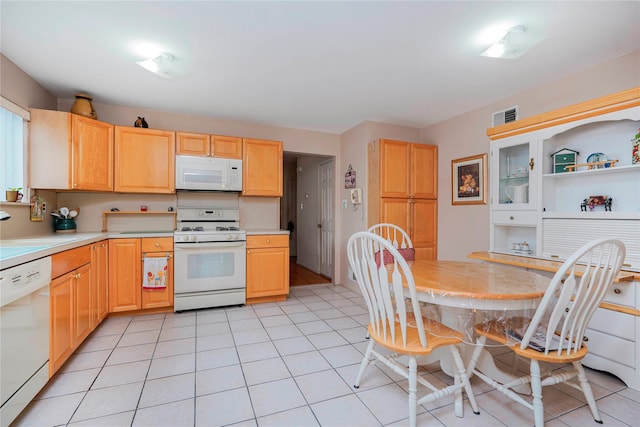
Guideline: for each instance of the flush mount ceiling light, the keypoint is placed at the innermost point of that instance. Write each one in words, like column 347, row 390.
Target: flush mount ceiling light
column 158, row 64
column 513, row 44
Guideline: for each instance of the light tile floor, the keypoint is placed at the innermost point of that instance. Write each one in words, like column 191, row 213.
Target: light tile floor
column 281, row 364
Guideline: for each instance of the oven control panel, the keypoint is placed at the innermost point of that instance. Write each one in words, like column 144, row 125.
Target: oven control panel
column 209, row 237
column 213, row 213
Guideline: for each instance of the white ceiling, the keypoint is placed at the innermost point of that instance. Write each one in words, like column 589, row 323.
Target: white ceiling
column 310, row 65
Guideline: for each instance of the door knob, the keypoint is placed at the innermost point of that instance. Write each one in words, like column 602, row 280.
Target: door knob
column 319, row 225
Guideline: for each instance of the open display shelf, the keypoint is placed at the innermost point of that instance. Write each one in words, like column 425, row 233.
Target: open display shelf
column 106, row 214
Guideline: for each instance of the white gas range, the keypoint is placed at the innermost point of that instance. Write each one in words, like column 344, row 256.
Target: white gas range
column 210, row 258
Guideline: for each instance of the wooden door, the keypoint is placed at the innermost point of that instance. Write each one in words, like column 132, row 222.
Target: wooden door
column 226, row 146
column 124, row 275
column 424, row 171
column 262, row 168
column 396, row 211
column 193, row 144
column 91, row 154
column 424, row 228
column 267, row 272
column 144, row 160
column 394, row 168
column 61, row 318
column 82, row 304
column 153, row 298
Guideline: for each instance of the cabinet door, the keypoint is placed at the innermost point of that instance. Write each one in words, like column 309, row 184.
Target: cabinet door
column 262, row 168
column 99, row 282
column 60, row 328
column 515, row 168
column 193, row 144
column 396, row 211
column 267, row 272
column 49, row 141
column 395, row 168
column 145, row 160
column 124, row 275
column 424, row 171
column 226, row 146
column 153, row 298
column 91, row 154
column 424, row 228
column 82, row 304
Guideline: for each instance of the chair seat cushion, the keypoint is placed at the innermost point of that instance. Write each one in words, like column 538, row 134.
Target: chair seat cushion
column 409, row 254
column 437, row 334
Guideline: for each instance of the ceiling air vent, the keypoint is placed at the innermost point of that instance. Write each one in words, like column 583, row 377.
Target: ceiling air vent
column 504, row 116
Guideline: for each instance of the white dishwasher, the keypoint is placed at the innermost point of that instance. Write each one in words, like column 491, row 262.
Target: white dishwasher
column 24, row 335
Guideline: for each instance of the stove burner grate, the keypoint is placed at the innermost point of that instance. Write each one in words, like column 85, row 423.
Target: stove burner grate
column 192, row 229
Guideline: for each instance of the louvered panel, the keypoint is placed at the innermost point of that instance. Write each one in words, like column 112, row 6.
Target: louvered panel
column 562, row 236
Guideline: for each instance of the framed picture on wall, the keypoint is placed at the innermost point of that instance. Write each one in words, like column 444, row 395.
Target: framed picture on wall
column 469, row 180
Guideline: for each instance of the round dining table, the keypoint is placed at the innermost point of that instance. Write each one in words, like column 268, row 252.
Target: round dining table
column 463, row 291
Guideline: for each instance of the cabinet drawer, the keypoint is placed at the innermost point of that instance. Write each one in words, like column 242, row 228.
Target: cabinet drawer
column 64, row 262
column 155, row 244
column 612, row 348
column 515, row 217
column 614, row 323
column 268, row 241
column 623, row 293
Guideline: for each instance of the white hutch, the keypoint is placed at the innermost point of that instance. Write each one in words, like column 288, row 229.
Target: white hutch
column 542, row 211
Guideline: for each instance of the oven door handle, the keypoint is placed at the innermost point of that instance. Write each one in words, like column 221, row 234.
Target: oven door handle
column 207, row 246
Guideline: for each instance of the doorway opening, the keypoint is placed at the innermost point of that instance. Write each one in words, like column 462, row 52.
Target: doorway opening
column 307, row 211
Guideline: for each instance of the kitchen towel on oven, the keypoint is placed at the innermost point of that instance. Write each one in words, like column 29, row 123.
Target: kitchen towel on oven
column 154, row 273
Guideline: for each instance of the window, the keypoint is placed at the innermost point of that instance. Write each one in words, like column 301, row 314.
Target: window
column 13, row 145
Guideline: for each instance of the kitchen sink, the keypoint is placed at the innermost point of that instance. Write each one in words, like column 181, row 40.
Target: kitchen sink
column 11, row 251
column 39, row 241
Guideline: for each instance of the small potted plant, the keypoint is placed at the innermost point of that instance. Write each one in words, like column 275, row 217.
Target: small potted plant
column 13, row 194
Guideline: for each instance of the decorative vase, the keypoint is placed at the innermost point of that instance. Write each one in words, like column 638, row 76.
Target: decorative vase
column 83, row 106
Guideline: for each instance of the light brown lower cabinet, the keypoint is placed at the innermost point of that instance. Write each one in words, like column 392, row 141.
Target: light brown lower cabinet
column 99, row 282
column 70, row 304
column 267, row 268
column 125, row 274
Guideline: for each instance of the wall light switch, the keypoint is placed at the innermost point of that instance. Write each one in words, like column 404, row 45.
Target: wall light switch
column 301, row 206
column 344, row 203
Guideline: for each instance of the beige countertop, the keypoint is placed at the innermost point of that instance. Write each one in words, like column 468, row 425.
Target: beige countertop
column 25, row 249
column 261, row 231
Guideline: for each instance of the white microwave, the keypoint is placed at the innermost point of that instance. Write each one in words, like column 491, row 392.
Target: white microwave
column 208, row 173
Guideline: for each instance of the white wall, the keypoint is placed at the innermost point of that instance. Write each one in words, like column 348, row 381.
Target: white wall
column 464, row 229
column 354, row 146
column 19, row 88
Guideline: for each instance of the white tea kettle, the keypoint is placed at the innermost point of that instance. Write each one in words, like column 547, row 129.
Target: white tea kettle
column 517, row 193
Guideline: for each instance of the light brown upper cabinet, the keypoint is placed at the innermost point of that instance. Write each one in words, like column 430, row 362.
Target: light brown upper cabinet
column 408, row 169
column 145, row 160
column 199, row 144
column 70, row 152
column 262, row 168
column 402, row 190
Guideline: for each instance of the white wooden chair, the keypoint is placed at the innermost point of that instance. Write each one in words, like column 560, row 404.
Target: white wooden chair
column 396, row 324
column 392, row 233
column 555, row 333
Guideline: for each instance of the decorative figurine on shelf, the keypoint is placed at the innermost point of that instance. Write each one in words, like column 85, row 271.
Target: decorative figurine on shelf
column 635, row 151
column 141, row 123
column 593, row 201
column 563, row 158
